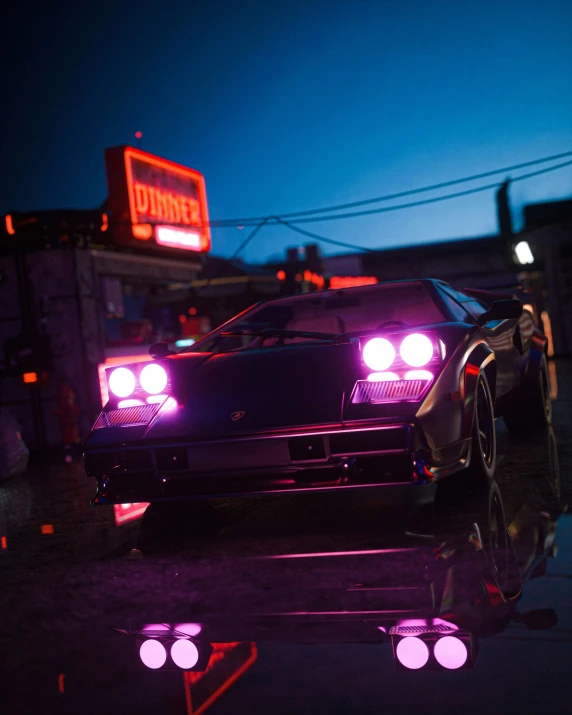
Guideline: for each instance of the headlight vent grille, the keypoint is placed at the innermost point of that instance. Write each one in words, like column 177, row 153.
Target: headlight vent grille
column 127, row 416
column 388, row 391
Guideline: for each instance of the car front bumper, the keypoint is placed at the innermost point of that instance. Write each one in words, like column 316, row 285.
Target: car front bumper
column 306, row 459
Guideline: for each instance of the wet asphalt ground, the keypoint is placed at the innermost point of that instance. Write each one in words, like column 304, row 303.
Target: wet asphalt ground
column 69, row 576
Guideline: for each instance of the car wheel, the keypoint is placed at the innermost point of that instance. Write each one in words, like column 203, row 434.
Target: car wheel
column 482, row 463
column 532, row 412
column 168, row 526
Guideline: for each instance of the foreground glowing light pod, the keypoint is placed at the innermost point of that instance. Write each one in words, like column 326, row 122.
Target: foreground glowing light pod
column 450, row 652
column 412, row 653
column 184, row 654
column 153, row 654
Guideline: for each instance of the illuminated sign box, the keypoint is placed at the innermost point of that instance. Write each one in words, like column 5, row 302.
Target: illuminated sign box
column 155, row 202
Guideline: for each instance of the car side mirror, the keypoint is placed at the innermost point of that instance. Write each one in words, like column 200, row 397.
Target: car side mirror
column 160, row 350
column 502, row 310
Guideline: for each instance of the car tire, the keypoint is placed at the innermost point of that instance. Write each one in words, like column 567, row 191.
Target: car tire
column 481, row 468
column 170, row 526
column 532, row 411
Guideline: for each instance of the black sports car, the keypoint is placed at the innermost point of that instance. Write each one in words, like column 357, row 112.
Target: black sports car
column 397, row 383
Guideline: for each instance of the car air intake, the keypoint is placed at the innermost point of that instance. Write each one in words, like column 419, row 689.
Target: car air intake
column 388, row 391
column 127, row 416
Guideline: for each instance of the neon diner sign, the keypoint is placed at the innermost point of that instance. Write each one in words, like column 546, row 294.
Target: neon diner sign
column 154, row 200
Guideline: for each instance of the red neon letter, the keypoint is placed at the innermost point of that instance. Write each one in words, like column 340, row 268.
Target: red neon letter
column 141, row 198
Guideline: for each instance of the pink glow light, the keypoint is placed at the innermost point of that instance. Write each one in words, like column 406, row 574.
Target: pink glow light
column 122, row 382
column 153, row 378
column 189, row 629
column 450, row 652
column 416, row 350
column 378, row 354
column 153, row 654
column 128, row 403
column 412, row 652
column 184, row 653
column 418, row 375
column 155, row 399
column 382, row 377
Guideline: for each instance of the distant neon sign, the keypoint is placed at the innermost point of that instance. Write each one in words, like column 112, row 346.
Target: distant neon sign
column 147, row 192
column 337, row 282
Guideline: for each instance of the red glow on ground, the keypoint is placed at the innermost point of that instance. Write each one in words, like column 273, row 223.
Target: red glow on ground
column 47, row 528
column 221, row 651
column 128, row 512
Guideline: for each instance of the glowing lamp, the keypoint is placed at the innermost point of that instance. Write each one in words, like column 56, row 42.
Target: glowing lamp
column 416, row 350
column 122, row 382
column 523, row 253
column 450, row 652
column 378, row 354
column 153, row 654
column 153, row 378
column 412, row 652
column 184, row 653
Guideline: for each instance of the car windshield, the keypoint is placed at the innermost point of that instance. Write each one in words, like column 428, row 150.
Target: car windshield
column 324, row 315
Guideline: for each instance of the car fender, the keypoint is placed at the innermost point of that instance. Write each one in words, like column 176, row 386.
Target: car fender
column 480, row 359
column 538, row 347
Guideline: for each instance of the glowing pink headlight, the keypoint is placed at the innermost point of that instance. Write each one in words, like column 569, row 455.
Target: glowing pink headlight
column 153, row 378
column 184, row 654
column 450, row 652
column 412, row 652
column 416, row 350
column 122, row 382
column 378, row 354
column 153, row 654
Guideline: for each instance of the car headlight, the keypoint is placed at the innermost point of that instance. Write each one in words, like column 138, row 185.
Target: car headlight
column 378, row 354
column 416, row 350
column 153, row 378
column 122, row 382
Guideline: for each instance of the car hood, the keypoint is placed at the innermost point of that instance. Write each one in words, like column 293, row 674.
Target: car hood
column 252, row 390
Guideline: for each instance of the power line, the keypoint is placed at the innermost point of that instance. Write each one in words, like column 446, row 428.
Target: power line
column 424, row 202
column 401, row 194
column 317, row 237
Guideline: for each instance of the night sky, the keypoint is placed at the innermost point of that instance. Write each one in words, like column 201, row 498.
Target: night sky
column 287, row 105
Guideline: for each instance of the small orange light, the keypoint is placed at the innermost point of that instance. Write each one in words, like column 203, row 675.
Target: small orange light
column 142, row 231
column 182, row 318
column 9, row 225
column 4, row 542
column 104, row 222
column 192, row 311
column 281, row 275
column 47, row 528
column 30, row 377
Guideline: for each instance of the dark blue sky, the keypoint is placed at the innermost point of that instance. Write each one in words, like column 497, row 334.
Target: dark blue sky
column 292, row 105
